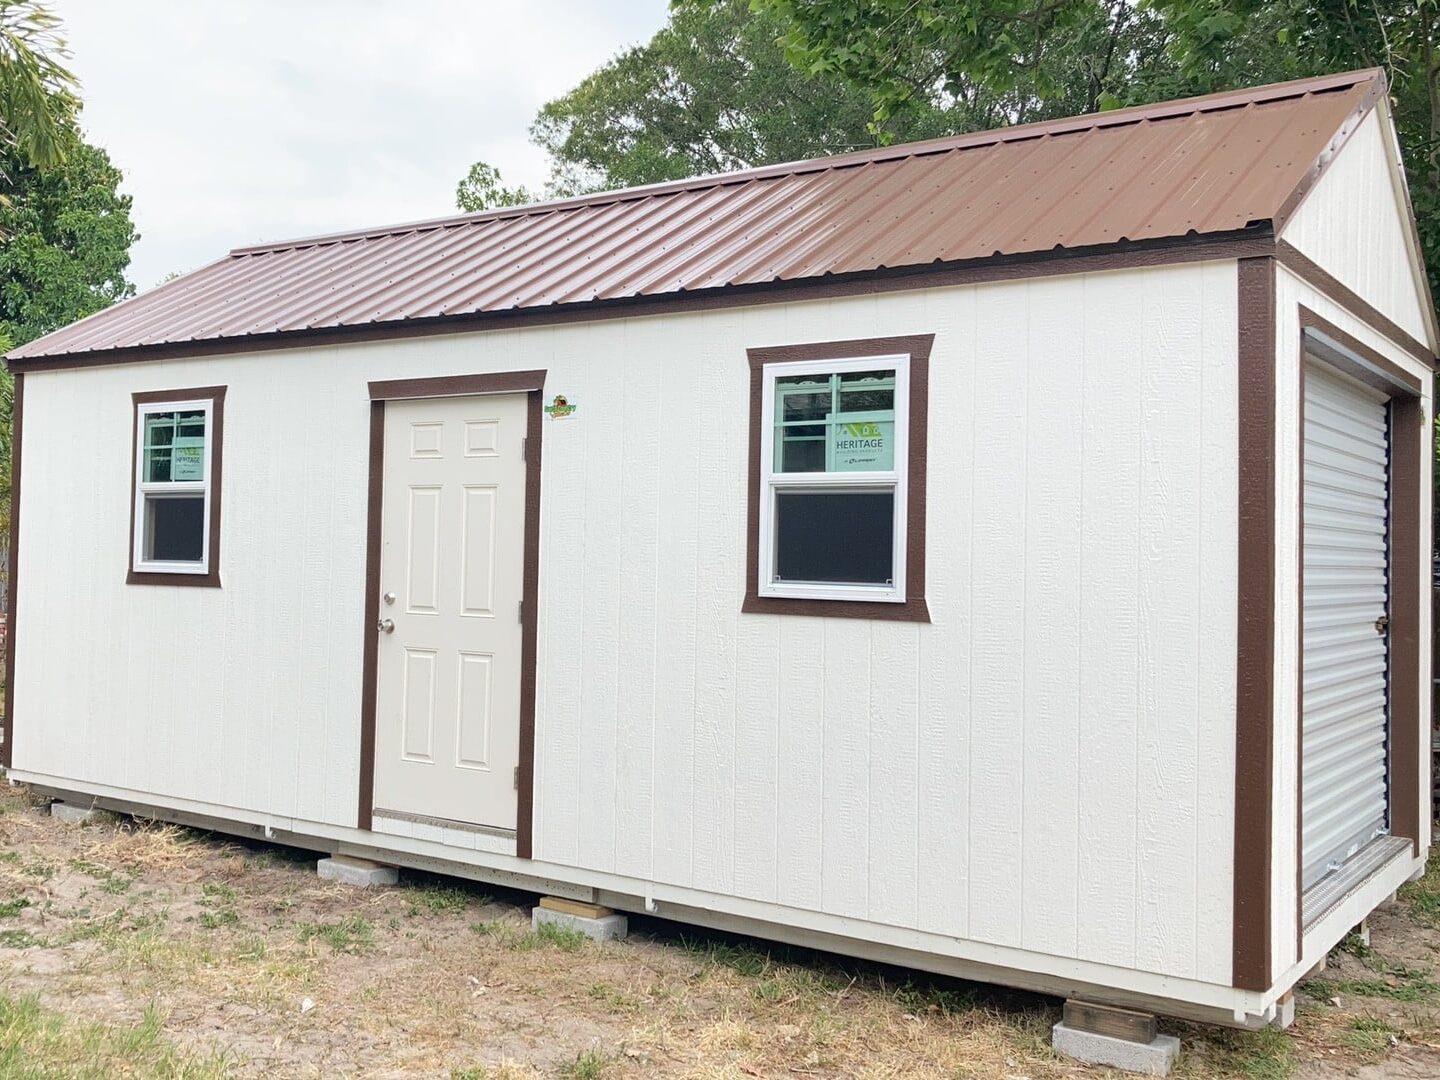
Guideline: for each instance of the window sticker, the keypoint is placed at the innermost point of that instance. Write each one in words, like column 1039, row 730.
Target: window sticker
column 187, row 463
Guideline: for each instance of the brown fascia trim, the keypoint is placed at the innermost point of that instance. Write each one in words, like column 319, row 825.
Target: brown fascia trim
column 216, row 394
column 532, row 384
column 17, row 428
column 1313, row 274
column 1256, row 240
column 1255, row 636
column 914, row 608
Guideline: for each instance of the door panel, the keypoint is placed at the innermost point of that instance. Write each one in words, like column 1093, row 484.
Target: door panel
column 1345, row 683
column 447, row 716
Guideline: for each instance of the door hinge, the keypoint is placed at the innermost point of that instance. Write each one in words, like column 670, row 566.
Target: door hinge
column 524, row 449
column 520, row 610
column 517, row 777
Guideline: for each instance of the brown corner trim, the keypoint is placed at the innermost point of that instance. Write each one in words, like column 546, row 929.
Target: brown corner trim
column 500, row 382
column 531, row 383
column 216, row 394
column 1257, row 240
column 1313, row 274
column 1255, row 638
column 17, row 427
column 1382, row 374
column 914, row 609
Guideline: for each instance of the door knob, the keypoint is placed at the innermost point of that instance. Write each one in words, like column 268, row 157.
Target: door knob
column 386, row 626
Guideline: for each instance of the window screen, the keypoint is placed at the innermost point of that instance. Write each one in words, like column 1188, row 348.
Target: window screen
column 841, row 536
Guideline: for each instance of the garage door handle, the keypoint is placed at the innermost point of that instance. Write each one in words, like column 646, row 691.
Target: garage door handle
column 1382, row 624
column 386, row 626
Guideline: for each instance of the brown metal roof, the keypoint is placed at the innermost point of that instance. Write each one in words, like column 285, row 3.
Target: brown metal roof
column 1205, row 165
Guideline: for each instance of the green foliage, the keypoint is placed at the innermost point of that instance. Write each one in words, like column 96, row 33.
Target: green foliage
column 37, row 92
column 482, row 189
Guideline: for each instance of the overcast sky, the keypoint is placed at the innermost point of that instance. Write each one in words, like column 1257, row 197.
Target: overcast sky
column 236, row 123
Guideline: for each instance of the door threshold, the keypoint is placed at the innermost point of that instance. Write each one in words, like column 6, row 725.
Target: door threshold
column 444, row 823
column 1330, row 891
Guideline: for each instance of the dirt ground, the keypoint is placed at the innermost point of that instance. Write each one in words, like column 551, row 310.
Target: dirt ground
column 134, row 949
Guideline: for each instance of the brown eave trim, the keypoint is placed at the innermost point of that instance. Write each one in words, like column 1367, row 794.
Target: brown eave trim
column 532, row 384
column 500, row 382
column 1255, row 636
column 216, row 395
column 914, row 609
column 1255, row 241
column 17, row 429
column 1383, row 373
column 1313, row 274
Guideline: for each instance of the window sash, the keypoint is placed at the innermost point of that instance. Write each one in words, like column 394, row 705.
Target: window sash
column 894, row 480
column 145, row 487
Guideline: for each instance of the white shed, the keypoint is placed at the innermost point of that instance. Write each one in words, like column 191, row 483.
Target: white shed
column 1004, row 555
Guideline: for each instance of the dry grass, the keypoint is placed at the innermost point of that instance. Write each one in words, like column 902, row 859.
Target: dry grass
column 166, row 951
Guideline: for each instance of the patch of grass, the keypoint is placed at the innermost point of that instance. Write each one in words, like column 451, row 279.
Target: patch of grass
column 438, row 900
column 562, row 937
column 39, row 869
column 918, row 999
column 12, row 907
column 1266, row 1054
column 587, row 1066
column 36, row 1042
column 612, row 999
column 1370, row 1037
column 353, row 934
column 17, row 939
column 219, row 902
column 741, row 959
column 1423, row 896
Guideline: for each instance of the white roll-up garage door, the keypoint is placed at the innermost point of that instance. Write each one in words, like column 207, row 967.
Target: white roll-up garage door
column 1346, row 602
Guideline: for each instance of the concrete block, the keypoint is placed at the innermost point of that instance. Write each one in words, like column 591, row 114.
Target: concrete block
column 610, row 927
column 1363, row 932
column 1152, row 1059
column 349, row 870
column 72, row 814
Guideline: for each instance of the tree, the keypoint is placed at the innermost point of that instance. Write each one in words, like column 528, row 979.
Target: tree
column 67, row 242
column 711, row 91
column 38, row 98
column 482, row 190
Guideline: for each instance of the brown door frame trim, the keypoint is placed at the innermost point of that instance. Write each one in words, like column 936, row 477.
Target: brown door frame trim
column 530, row 383
column 1324, row 341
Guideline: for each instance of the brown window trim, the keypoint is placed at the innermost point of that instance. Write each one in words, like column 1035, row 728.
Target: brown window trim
column 216, row 394
column 914, row 609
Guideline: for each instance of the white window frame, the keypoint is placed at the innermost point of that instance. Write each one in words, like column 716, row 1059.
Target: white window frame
column 896, row 479
column 140, row 564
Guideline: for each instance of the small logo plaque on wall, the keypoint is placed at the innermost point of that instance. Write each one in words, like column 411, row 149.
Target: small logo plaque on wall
column 559, row 408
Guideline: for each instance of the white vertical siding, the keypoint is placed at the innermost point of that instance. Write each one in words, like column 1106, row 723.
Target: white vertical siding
column 1046, row 765
column 1352, row 223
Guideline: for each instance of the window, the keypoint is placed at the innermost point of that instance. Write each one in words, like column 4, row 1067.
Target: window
column 837, row 515
column 175, row 528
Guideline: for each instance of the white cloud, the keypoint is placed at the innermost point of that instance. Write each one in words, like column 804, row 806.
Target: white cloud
column 241, row 123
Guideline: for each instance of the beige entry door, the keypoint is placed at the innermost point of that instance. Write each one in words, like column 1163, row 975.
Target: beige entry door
column 447, row 708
